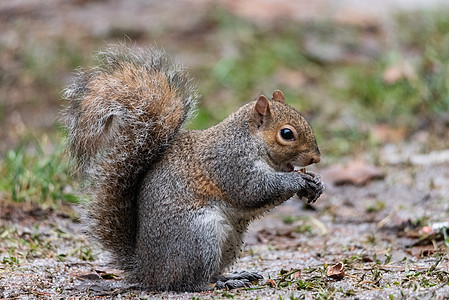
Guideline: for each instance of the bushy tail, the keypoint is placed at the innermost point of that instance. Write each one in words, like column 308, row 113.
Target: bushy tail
column 120, row 116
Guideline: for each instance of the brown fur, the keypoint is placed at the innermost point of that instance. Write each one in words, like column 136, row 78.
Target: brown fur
column 170, row 205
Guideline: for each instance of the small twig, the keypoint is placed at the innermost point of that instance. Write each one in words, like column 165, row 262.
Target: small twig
column 400, row 268
column 366, row 281
column 291, row 273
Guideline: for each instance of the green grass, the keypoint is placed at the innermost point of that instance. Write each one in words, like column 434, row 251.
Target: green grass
column 27, row 173
column 360, row 276
column 45, row 62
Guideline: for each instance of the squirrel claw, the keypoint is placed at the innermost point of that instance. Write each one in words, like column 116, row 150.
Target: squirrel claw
column 237, row 280
column 232, row 284
column 313, row 190
column 251, row 276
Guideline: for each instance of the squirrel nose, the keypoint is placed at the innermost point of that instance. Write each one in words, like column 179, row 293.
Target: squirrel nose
column 315, row 160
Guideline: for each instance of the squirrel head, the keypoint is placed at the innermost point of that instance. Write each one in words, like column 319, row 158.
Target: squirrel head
column 289, row 140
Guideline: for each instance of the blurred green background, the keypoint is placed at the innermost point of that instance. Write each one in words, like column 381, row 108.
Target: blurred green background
column 364, row 79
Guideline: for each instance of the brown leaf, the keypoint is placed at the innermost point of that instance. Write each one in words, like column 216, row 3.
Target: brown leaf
column 336, row 271
column 271, row 282
column 355, row 172
column 398, row 72
column 385, row 133
column 297, row 274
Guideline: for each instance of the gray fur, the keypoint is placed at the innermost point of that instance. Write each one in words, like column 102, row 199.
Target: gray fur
column 172, row 206
column 194, row 244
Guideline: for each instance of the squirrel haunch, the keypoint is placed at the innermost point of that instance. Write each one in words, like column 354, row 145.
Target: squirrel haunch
column 172, row 205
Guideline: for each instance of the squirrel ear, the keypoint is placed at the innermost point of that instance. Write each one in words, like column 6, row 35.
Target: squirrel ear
column 261, row 109
column 278, row 96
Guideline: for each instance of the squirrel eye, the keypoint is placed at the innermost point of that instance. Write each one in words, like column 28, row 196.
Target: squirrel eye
column 287, row 134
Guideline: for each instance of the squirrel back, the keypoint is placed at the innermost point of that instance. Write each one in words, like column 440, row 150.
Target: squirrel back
column 121, row 116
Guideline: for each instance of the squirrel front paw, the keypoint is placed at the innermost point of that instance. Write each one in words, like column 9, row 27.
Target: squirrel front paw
column 313, row 187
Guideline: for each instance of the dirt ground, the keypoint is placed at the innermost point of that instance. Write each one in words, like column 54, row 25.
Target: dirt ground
column 374, row 229
column 388, row 224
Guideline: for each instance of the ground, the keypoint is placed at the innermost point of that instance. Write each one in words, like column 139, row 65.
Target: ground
column 375, row 230
column 372, row 82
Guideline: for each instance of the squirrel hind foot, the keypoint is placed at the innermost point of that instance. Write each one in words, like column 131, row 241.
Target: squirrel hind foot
column 232, row 284
column 237, row 280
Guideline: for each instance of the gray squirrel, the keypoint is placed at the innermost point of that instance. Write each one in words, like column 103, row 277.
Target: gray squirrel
column 172, row 205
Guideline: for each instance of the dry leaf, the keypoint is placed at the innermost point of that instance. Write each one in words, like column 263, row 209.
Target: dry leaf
column 355, row 172
column 336, row 271
column 398, row 72
column 297, row 274
column 271, row 282
column 385, row 133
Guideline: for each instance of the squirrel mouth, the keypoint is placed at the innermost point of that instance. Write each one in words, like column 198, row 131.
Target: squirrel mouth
column 288, row 167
